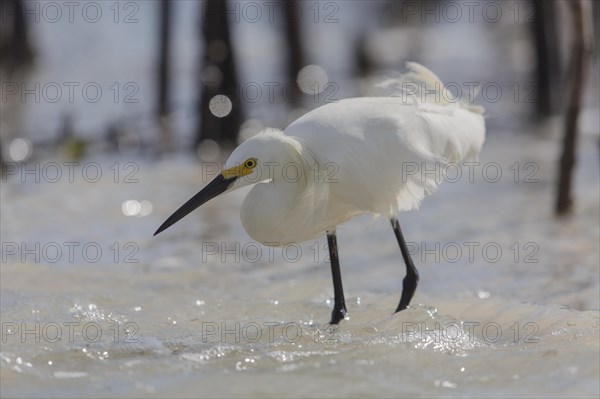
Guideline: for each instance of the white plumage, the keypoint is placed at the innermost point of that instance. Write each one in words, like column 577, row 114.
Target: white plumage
column 355, row 156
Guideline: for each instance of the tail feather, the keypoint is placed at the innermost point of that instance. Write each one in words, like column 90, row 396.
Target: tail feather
column 422, row 86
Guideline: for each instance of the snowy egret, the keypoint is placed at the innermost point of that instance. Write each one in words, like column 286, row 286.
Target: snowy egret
column 349, row 158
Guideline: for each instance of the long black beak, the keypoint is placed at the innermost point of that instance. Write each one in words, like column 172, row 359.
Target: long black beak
column 218, row 186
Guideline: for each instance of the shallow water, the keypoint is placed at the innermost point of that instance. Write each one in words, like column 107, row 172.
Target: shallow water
column 203, row 311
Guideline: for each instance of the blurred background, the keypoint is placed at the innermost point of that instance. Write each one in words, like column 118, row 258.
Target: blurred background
column 113, row 113
column 140, row 76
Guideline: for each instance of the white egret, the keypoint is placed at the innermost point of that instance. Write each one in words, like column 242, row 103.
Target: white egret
column 349, row 158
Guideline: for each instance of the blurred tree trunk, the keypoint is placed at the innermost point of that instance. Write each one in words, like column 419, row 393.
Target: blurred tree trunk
column 164, row 75
column 16, row 53
column 218, row 76
column 362, row 62
column 293, row 35
column 581, row 16
column 15, row 48
column 547, row 56
column 164, row 57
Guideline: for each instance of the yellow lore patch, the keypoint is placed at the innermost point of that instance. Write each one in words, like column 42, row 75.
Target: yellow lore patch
column 240, row 170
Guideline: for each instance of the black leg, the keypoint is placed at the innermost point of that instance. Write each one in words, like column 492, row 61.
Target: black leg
column 339, row 307
column 409, row 284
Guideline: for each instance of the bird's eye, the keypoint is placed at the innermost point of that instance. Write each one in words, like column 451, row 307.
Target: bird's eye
column 250, row 163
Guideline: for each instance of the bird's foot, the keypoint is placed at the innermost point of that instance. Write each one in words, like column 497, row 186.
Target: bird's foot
column 409, row 286
column 338, row 314
column 401, row 307
column 404, row 301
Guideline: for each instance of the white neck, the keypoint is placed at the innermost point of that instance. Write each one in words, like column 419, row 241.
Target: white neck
column 292, row 206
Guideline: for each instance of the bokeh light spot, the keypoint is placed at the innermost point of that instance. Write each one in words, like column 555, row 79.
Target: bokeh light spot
column 136, row 208
column 20, row 149
column 312, row 79
column 131, row 207
column 208, row 150
column 220, row 106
